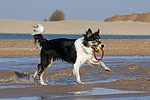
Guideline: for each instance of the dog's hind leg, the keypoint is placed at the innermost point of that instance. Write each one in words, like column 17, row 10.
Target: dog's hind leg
column 36, row 71
column 43, row 69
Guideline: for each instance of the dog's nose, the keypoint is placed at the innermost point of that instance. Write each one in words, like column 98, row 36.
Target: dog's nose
column 102, row 45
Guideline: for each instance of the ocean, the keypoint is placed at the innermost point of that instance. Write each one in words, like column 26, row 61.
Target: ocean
column 54, row 36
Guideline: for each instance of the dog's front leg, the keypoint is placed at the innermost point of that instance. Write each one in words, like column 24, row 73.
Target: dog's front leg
column 76, row 73
column 93, row 62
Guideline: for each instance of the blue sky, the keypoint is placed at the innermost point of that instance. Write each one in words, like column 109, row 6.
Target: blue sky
column 94, row 10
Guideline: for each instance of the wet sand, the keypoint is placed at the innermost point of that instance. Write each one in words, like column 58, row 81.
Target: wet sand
column 62, row 92
column 141, row 84
column 26, row 48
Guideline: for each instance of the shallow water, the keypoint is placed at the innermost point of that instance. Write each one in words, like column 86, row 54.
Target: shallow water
column 15, row 72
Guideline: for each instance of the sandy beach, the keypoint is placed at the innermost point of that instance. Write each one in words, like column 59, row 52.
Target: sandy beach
column 127, row 47
column 131, row 77
column 76, row 27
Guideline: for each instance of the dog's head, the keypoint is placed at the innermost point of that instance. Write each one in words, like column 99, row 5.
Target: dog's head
column 38, row 29
column 92, row 39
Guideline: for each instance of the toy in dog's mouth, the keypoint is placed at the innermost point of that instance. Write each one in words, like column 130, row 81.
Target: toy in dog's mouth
column 97, row 49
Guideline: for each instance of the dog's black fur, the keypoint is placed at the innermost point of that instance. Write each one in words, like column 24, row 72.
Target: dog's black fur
column 61, row 48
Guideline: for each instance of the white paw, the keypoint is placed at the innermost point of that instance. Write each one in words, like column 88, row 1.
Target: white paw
column 107, row 69
column 42, row 83
column 80, row 83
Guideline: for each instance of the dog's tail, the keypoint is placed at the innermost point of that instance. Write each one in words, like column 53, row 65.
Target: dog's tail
column 38, row 37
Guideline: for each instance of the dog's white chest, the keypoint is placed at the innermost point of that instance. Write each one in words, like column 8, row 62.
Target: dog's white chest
column 83, row 53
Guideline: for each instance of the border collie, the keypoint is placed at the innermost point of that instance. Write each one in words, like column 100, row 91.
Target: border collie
column 74, row 51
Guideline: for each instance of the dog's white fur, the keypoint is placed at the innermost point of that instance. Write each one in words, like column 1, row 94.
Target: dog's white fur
column 38, row 29
column 84, row 54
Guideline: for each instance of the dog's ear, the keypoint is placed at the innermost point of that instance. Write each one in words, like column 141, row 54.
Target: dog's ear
column 98, row 32
column 89, row 32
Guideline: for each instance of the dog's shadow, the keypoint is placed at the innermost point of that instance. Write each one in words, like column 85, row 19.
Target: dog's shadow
column 22, row 75
column 26, row 77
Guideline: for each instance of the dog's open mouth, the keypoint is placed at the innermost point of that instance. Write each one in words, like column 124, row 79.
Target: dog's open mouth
column 98, row 48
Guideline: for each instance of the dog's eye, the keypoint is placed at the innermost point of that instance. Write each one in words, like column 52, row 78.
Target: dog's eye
column 97, row 40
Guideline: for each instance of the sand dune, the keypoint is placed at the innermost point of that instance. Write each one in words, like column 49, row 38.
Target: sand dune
column 144, row 17
column 76, row 27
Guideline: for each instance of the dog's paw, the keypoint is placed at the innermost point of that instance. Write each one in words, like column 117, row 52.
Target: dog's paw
column 43, row 83
column 81, row 83
column 108, row 69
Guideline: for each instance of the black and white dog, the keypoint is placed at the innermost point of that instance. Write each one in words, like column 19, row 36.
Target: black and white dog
column 74, row 51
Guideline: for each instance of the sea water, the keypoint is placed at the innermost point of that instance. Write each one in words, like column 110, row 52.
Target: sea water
column 54, row 36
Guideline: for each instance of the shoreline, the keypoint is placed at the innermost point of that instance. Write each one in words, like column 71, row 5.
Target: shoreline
column 83, row 33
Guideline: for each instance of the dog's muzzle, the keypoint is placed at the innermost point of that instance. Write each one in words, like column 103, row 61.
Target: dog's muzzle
column 97, row 48
column 102, row 46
